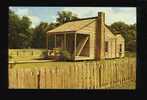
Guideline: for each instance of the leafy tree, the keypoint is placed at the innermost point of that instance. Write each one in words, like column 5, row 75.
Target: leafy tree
column 39, row 35
column 65, row 16
column 19, row 31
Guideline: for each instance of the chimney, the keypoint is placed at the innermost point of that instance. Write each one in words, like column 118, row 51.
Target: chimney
column 99, row 45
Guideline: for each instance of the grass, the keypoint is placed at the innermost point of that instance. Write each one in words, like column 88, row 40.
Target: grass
column 126, row 85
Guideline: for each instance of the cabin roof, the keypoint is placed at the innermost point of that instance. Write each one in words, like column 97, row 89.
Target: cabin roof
column 84, row 25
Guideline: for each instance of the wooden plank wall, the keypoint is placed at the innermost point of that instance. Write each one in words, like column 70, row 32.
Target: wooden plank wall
column 83, row 75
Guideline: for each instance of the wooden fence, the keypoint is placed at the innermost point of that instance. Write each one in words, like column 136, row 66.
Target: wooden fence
column 74, row 75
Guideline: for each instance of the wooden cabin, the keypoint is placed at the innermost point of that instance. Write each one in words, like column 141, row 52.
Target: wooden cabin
column 87, row 39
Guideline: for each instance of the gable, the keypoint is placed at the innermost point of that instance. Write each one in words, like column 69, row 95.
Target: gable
column 108, row 33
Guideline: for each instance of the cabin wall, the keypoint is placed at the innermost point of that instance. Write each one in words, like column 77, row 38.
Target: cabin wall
column 118, row 42
column 92, row 46
column 111, row 49
column 110, row 38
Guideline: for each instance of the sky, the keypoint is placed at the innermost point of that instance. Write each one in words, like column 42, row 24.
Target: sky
column 49, row 14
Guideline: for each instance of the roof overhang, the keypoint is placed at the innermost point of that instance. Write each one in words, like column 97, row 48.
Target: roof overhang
column 62, row 32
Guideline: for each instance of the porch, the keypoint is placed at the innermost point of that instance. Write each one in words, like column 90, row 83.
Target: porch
column 77, row 44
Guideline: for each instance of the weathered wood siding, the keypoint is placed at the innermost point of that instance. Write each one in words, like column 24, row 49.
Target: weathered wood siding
column 120, row 40
column 77, row 75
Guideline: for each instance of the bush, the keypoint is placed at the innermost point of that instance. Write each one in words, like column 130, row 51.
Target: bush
column 131, row 46
column 64, row 55
column 44, row 54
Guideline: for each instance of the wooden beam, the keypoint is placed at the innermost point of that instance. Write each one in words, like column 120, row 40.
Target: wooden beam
column 75, row 40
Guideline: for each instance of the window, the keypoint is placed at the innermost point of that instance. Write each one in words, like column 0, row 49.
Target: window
column 106, row 46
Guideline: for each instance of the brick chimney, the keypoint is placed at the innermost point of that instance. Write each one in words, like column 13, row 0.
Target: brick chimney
column 99, row 45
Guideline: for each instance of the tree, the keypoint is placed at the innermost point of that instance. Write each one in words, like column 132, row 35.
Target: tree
column 65, row 16
column 12, row 27
column 39, row 35
column 19, row 31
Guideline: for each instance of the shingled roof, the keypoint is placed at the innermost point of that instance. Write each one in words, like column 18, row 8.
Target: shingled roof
column 75, row 26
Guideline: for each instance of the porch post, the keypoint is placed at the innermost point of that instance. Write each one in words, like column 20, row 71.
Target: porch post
column 75, row 49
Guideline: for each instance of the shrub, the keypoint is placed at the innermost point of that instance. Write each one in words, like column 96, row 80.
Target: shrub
column 131, row 46
column 44, row 54
column 64, row 55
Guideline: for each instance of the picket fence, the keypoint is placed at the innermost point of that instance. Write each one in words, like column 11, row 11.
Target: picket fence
column 74, row 75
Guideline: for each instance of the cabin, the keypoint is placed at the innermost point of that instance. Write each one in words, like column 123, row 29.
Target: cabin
column 87, row 39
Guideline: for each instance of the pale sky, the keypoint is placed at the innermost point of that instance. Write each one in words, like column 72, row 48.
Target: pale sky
column 49, row 14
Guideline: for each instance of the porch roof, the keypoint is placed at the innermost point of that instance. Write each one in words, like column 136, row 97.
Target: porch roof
column 75, row 26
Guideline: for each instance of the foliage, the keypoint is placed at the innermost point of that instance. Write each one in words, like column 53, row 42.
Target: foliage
column 65, row 16
column 131, row 46
column 20, row 33
column 39, row 35
column 44, row 54
column 65, row 55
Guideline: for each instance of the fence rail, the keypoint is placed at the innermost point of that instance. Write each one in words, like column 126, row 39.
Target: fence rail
column 76, row 75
